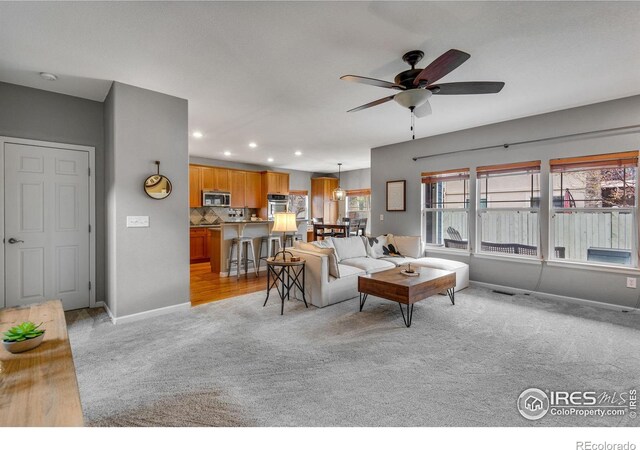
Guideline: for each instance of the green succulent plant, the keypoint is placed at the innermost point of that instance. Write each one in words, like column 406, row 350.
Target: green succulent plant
column 22, row 332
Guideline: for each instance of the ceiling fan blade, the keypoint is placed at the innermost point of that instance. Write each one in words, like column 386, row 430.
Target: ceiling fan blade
column 442, row 65
column 422, row 110
column 372, row 82
column 469, row 87
column 376, row 103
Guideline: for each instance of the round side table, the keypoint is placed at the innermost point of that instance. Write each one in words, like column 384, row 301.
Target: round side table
column 283, row 275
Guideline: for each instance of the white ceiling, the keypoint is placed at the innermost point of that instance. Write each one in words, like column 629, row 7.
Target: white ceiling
column 268, row 71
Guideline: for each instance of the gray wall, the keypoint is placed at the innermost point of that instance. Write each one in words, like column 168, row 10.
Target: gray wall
column 35, row 114
column 298, row 180
column 394, row 162
column 148, row 268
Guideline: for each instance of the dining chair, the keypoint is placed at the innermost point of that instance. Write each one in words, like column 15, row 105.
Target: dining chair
column 362, row 226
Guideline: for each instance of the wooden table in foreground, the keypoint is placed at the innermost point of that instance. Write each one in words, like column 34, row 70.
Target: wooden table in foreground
column 39, row 387
column 392, row 285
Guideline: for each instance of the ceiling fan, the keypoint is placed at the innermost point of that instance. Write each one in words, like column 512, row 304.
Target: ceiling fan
column 416, row 86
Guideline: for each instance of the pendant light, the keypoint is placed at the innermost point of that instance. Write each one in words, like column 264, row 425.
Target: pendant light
column 339, row 194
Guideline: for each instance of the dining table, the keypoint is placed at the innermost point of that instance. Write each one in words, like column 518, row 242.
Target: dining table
column 342, row 227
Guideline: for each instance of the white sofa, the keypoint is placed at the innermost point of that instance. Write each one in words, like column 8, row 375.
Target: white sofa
column 333, row 265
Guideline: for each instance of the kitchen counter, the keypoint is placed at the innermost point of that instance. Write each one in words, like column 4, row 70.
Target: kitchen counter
column 223, row 235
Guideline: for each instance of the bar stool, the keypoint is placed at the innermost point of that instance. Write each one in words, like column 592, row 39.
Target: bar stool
column 271, row 242
column 241, row 246
column 289, row 238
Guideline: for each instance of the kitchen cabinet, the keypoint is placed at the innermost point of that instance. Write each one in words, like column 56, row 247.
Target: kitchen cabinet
column 237, row 182
column 275, row 183
column 215, row 179
column 195, row 190
column 245, row 186
column 221, row 179
column 253, row 191
column 321, row 194
column 198, row 245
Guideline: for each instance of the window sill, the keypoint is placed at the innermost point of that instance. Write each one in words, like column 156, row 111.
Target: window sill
column 509, row 258
column 447, row 250
column 594, row 267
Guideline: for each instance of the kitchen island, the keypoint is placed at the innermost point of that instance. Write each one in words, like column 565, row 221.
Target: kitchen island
column 220, row 240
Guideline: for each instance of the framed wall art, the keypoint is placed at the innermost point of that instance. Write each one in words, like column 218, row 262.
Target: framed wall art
column 396, row 195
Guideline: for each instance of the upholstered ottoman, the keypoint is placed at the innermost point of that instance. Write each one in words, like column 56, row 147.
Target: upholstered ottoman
column 461, row 269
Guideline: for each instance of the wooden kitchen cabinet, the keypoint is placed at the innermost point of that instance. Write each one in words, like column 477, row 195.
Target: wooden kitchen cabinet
column 207, row 181
column 215, row 179
column 198, row 245
column 275, row 183
column 195, row 190
column 245, row 186
column 221, row 179
column 321, row 194
column 237, row 182
column 253, row 190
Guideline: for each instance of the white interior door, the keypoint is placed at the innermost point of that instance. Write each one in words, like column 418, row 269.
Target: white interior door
column 46, row 239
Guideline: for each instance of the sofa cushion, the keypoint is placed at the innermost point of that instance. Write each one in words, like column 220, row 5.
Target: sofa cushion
column 398, row 260
column 347, row 248
column 378, row 247
column 370, row 265
column 325, row 248
column 347, row 271
column 408, row 245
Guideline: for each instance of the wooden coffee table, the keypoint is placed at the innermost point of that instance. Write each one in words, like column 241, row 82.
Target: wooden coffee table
column 392, row 285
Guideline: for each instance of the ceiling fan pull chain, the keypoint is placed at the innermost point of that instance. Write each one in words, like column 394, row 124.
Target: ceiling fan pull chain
column 413, row 123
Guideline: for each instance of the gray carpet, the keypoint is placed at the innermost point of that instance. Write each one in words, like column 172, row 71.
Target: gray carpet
column 235, row 363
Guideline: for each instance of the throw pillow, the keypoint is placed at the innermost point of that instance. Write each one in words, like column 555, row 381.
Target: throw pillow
column 381, row 246
column 347, row 248
column 325, row 249
column 409, row 245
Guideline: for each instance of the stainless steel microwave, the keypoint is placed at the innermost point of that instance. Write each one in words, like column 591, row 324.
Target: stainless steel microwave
column 216, row 198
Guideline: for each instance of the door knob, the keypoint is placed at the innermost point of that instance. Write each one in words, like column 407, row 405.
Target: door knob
column 14, row 241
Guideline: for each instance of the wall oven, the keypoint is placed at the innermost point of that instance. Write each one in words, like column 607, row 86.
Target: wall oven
column 216, row 198
column 276, row 203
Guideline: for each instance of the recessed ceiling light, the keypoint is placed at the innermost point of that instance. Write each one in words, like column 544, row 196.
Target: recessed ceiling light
column 48, row 76
column 227, row 153
column 270, row 159
column 298, row 153
column 197, row 134
column 253, row 144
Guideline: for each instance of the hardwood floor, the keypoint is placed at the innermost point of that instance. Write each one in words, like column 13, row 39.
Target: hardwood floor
column 209, row 287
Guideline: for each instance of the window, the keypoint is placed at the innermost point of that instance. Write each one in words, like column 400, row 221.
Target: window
column 359, row 206
column 299, row 204
column 595, row 221
column 445, row 208
column 508, row 208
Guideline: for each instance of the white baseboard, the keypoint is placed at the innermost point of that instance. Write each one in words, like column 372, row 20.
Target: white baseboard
column 106, row 308
column 144, row 314
column 555, row 297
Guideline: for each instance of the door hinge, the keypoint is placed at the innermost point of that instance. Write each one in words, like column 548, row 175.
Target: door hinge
column 89, row 285
column 89, row 228
column 89, row 171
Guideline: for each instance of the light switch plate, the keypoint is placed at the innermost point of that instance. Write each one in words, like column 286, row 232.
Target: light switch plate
column 381, row 216
column 137, row 221
column 631, row 282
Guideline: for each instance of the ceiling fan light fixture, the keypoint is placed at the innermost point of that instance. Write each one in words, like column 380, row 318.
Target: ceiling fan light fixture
column 412, row 97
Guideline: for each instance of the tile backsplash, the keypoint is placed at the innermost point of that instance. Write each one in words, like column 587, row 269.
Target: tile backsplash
column 207, row 215
column 211, row 215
